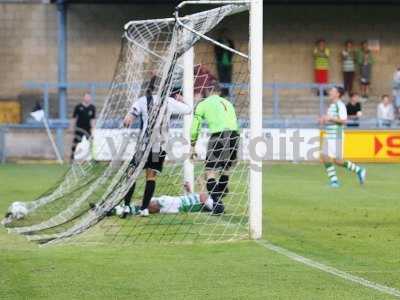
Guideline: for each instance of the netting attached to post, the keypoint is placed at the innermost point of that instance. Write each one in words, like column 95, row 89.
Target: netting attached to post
column 76, row 208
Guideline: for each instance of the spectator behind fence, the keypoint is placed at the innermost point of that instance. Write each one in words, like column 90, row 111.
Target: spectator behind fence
column 83, row 121
column 321, row 62
column 348, row 66
column 354, row 111
column 224, row 58
column 396, row 90
column 385, row 112
column 365, row 61
column 37, row 106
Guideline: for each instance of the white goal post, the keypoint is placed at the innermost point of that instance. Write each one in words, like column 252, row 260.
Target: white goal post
column 256, row 93
column 188, row 87
column 256, row 100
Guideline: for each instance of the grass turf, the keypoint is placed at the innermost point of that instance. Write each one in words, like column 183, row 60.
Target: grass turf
column 354, row 228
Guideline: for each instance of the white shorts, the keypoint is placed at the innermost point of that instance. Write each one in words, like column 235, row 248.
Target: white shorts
column 332, row 148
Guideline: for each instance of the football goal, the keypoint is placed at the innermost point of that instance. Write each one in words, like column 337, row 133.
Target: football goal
column 189, row 58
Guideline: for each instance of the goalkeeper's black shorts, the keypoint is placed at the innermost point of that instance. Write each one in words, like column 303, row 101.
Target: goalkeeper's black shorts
column 155, row 161
column 222, row 150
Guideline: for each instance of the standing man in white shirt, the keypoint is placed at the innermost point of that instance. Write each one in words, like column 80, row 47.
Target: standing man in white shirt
column 142, row 109
column 385, row 112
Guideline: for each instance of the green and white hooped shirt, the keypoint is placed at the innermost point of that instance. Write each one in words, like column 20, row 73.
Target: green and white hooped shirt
column 177, row 204
column 336, row 110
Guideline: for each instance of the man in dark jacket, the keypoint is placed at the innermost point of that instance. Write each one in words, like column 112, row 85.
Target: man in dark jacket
column 224, row 58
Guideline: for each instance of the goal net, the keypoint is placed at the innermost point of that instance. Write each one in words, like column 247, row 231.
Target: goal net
column 155, row 53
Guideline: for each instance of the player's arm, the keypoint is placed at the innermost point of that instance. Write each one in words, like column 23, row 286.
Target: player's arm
column 134, row 112
column 93, row 119
column 339, row 120
column 73, row 121
column 359, row 113
column 178, row 106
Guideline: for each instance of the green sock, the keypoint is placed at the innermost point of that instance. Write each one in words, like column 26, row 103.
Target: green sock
column 352, row 166
column 331, row 171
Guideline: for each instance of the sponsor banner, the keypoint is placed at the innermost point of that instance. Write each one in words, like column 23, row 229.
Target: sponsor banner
column 275, row 144
column 372, row 145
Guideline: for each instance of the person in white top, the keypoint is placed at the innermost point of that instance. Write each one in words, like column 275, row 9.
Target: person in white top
column 396, row 89
column 143, row 109
column 385, row 112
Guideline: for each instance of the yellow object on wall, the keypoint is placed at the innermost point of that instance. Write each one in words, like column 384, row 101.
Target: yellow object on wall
column 10, row 112
column 372, row 145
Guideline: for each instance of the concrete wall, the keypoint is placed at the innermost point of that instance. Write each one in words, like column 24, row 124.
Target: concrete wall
column 28, row 40
column 29, row 143
column 290, row 32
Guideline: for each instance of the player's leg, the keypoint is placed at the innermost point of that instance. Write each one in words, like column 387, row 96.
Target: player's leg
column 206, row 202
column 327, row 157
column 211, row 183
column 153, row 166
column 89, row 137
column 330, row 171
column 338, row 160
column 223, row 183
column 214, row 193
column 129, row 194
column 77, row 139
column 127, row 208
column 149, row 189
column 361, row 172
column 228, row 159
column 212, row 167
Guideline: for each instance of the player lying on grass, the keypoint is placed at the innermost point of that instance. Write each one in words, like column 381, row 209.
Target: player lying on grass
column 222, row 146
column 189, row 202
column 333, row 140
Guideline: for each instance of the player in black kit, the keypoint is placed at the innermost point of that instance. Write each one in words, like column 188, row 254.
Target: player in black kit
column 83, row 121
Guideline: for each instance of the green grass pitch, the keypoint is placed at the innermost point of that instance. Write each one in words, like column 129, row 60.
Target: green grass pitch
column 355, row 229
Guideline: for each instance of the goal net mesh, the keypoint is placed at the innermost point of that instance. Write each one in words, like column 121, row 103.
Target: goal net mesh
column 76, row 209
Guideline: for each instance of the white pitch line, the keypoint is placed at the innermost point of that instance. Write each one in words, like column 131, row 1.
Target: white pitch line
column 327, row 269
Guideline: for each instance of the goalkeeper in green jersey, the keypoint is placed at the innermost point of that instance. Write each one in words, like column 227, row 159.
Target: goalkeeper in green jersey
column 333, row 140
column 223, row 144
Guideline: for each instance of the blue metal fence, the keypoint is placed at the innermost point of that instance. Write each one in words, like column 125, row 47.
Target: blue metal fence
column 275, row 89
column 277, row 86
column 92, row 87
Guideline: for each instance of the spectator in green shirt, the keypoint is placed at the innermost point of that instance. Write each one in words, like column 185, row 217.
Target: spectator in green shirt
column 224, row 58
column 365, row 61
column 348, row 66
